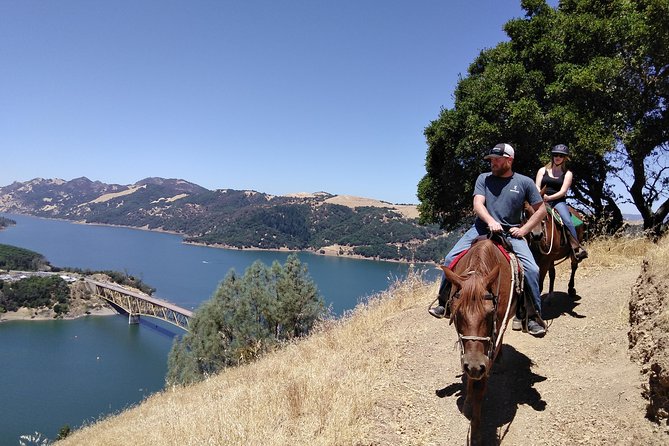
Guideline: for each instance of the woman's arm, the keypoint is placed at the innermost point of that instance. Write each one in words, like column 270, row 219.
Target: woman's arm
column 540, row 176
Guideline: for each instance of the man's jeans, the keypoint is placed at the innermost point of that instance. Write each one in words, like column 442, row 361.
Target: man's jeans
column 520, row 248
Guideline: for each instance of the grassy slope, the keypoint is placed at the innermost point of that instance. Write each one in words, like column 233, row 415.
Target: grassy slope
column 316, row 391
column 321, row 390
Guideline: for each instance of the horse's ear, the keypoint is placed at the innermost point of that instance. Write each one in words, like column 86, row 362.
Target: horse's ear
column 543, row 191
column 491, row 277
column 452, row 277
column 529, row 210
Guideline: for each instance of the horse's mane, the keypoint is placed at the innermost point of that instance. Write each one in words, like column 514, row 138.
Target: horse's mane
column 481, row 258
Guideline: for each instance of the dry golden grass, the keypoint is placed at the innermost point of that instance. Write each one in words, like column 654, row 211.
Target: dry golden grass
column 611, row 252
column 606, row 253
column 316, row 391
column 658, row 259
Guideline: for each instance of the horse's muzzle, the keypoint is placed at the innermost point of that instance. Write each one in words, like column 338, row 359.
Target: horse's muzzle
column 475, row 367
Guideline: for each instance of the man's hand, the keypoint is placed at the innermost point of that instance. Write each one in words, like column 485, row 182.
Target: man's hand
column 495, row 227
column 517, row 232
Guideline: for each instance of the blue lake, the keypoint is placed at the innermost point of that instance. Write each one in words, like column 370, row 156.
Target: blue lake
column 70, row 372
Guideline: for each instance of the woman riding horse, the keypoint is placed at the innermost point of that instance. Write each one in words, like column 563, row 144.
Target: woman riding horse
column 556, row 179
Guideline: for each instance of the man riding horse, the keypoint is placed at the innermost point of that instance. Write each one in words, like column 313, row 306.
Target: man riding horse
column 499, row 198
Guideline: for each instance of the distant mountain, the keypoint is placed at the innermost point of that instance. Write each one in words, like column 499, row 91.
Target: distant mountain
column 633, row 217
column 320, row 221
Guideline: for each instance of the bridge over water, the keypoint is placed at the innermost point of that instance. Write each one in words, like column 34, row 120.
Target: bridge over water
column 138, row 304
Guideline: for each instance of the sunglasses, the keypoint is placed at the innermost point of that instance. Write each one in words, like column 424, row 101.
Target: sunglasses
column 558, row 155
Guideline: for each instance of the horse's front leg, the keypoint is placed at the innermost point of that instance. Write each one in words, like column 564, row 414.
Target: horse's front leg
column 475, row 391
column 572, row 288
column 542, row 276
column 551, row 279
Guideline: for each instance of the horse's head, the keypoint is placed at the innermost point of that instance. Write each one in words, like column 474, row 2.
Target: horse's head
column 537, row 231
column 473, row 311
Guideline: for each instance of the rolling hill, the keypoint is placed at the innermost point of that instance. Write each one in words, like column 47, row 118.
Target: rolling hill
column 320, row 222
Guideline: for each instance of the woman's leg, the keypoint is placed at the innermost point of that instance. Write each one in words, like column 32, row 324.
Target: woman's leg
column 563, row 210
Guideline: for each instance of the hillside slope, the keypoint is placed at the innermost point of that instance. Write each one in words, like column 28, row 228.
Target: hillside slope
column 320, row 222
column 390, row 375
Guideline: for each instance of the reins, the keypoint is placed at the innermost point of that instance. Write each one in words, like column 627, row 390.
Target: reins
column 550, row 245
column 563, row 229
column 494, row 339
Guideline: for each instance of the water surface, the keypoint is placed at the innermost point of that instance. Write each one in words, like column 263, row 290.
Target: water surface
column 72, row 372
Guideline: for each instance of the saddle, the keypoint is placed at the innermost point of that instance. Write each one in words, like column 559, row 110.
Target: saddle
column 507, row 250
column 574, row 219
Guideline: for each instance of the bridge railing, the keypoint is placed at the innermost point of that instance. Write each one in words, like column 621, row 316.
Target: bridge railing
column 138, row 304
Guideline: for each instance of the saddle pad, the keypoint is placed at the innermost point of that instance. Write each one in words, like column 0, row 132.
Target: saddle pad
column 459, row 256
column 574, row 219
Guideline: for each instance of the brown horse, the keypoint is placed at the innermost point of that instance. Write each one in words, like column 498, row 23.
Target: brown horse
column 481, row 307
column 552, row 247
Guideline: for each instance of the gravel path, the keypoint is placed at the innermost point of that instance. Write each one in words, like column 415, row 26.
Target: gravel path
column 575, row 386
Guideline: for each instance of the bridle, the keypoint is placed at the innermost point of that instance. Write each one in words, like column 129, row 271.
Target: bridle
column 493, row 333
column 493, row 339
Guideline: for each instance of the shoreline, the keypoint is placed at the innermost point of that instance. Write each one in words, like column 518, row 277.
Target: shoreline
column 329, row 251
column 42, row 314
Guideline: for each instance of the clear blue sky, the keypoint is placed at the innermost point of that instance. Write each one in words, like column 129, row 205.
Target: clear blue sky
column 276, row 96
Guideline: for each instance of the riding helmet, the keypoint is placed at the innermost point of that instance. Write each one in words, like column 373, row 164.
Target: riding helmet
column 561, row 149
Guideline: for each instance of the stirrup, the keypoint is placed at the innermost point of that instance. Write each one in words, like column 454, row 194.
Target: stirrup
column 439, row 311
column 580, row 254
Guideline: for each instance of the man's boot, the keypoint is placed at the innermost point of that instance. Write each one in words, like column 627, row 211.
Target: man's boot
column 443, row 309
column 535, row 328
column 579, row 252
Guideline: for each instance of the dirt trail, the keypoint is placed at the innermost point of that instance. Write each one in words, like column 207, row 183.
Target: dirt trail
column 575, row 386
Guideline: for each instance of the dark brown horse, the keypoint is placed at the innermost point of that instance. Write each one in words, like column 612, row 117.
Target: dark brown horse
column 483, row 303
column 550, row 247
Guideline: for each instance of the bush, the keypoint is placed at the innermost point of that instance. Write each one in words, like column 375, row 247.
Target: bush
column 246, row 317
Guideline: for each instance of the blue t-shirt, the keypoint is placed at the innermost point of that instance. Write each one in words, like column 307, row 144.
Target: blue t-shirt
column 505, row 198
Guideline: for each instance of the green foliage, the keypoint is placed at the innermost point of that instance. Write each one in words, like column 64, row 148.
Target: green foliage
column 35, row 292
column 182, row 364
column 381, row 250
column 592, row 75
column 122, row 278
column 246, row 317
column 301, row 227
column 49, row 290
column 436, row 249
column 63, row 432
column 242, row 219
column 12, row 257
column 298, row 304
column 4, row 222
